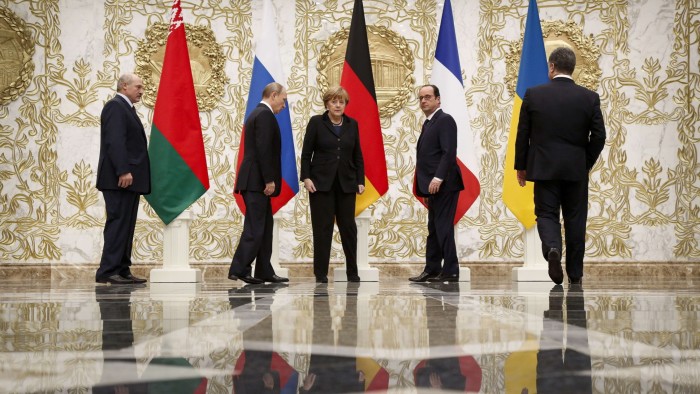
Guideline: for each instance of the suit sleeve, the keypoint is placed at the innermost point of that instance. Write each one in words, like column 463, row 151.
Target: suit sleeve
column 357, row 158
column 264, row 128
column 448, row 146
column 307, row 150
column 522, row 140
column 596, row 140
column 115, row 137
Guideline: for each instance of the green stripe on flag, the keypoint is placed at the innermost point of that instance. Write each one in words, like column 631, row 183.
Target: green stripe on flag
column 174, row 187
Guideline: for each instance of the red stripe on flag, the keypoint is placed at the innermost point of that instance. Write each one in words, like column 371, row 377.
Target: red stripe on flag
column 472, row 189
column 363, row 108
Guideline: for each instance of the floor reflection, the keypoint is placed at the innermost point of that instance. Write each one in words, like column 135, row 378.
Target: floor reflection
column 485, row 336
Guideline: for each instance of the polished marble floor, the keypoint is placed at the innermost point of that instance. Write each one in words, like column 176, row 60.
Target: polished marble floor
column 490, row 335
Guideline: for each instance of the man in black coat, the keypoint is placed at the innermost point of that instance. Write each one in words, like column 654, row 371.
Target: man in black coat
column 560, row 136
column 439, row 181
column 123, row 175
column 259, row 178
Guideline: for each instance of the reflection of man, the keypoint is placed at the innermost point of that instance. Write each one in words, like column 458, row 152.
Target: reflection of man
column 117, row 334
column 259, row 178
column 438, row 180
column 460, row 372
column 560, row 136
column 123, row 174
column 572, row 372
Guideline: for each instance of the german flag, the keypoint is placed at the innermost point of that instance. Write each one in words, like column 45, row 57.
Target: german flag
column 357, row 79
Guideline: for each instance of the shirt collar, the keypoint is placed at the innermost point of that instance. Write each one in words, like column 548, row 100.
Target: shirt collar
column 126, row 98
column 268, row 105
column 430, row 117
column 563, row 76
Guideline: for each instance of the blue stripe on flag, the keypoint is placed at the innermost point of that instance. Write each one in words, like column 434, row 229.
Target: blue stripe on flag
column 446, row 51
column 262, row 77
column 533, row 61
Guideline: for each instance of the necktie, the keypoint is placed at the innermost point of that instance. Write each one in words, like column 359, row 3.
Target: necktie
column 425, row 124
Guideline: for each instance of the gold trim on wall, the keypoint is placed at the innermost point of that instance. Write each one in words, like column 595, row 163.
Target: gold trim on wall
column 17, row 48
column 206, row 60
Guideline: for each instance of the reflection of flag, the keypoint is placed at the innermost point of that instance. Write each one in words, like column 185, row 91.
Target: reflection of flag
column 267, row 68
column 447, row 76
column 357, row 79
column 178, row 162
column 533, row 71
column 376, row 377
column 289, row 377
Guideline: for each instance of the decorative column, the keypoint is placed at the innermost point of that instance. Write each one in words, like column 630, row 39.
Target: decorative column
column 535, row 268
column 367, row 273
column 176, row 253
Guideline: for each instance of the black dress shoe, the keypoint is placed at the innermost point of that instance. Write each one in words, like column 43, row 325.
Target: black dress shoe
column 445, row 278
column 555, row 272
column 275, row 279
column 135, row 279
column 322, row 280
column 353, row 278
column 424, row 276
column 575, row 281
column 247, row 279
column 115, row 280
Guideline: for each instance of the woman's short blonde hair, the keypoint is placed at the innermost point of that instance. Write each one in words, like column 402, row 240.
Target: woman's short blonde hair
column 336, row 92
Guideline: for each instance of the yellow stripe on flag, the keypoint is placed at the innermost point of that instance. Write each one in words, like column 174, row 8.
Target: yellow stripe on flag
column 519, row 200
column 366, row 199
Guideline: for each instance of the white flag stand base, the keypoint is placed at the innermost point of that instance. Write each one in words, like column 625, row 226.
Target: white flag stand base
column 366, row 273
column 535, row 267
column 275, row 259
column 176, row 253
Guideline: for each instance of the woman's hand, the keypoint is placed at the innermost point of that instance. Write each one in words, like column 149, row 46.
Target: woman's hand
column 360, row 189
column 309, row 185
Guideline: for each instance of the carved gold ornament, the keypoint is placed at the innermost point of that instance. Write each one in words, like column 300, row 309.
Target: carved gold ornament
column 392, row 66
column 557, row 34
column 206, row 60
column 16, row 51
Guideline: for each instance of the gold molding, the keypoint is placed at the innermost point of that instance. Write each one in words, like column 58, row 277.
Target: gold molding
column 556, row 34
column 206, row 57
column 16, row 65
column 392, row 66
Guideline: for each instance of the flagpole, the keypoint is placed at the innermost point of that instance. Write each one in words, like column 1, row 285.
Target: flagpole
column 275, row 259
column 534, row 268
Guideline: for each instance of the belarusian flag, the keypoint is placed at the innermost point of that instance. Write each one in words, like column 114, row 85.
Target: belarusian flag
column 178, row 162
column 358, row 80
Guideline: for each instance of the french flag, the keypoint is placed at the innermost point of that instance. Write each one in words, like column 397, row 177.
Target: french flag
column 267, row 68
column 447, row 76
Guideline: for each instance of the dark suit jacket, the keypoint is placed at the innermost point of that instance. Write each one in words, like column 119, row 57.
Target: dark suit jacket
column 123, row 148
column 261, row 153
column 560, row 132
column 325, row 155
column 436, row 155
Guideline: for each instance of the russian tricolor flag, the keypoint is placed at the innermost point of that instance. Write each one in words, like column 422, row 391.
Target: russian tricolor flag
column 267, row 68
column 447, row 76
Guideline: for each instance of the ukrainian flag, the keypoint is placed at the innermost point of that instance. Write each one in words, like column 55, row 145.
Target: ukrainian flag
column 533, row 71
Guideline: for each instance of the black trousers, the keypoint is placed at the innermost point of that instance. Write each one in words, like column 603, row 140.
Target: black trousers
column 570, row 198
column 440, row 244
column 122, row 207
column 255, row 243
column 326, row 208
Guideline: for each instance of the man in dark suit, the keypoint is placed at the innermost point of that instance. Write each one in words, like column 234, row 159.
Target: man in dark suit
column 259, row 178
column 560, row 136
column 438, row 180
column 123, row 175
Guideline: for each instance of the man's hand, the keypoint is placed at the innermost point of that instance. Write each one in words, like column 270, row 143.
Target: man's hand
column 269, row 188
column 309, row 185
column 521, row 177
column 434, row 186
column 125, row 180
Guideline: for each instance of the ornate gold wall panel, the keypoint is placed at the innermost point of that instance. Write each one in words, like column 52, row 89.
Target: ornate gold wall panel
column 644, row 190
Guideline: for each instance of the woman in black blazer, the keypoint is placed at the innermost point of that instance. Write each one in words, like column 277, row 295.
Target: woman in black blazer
column 333, row 171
